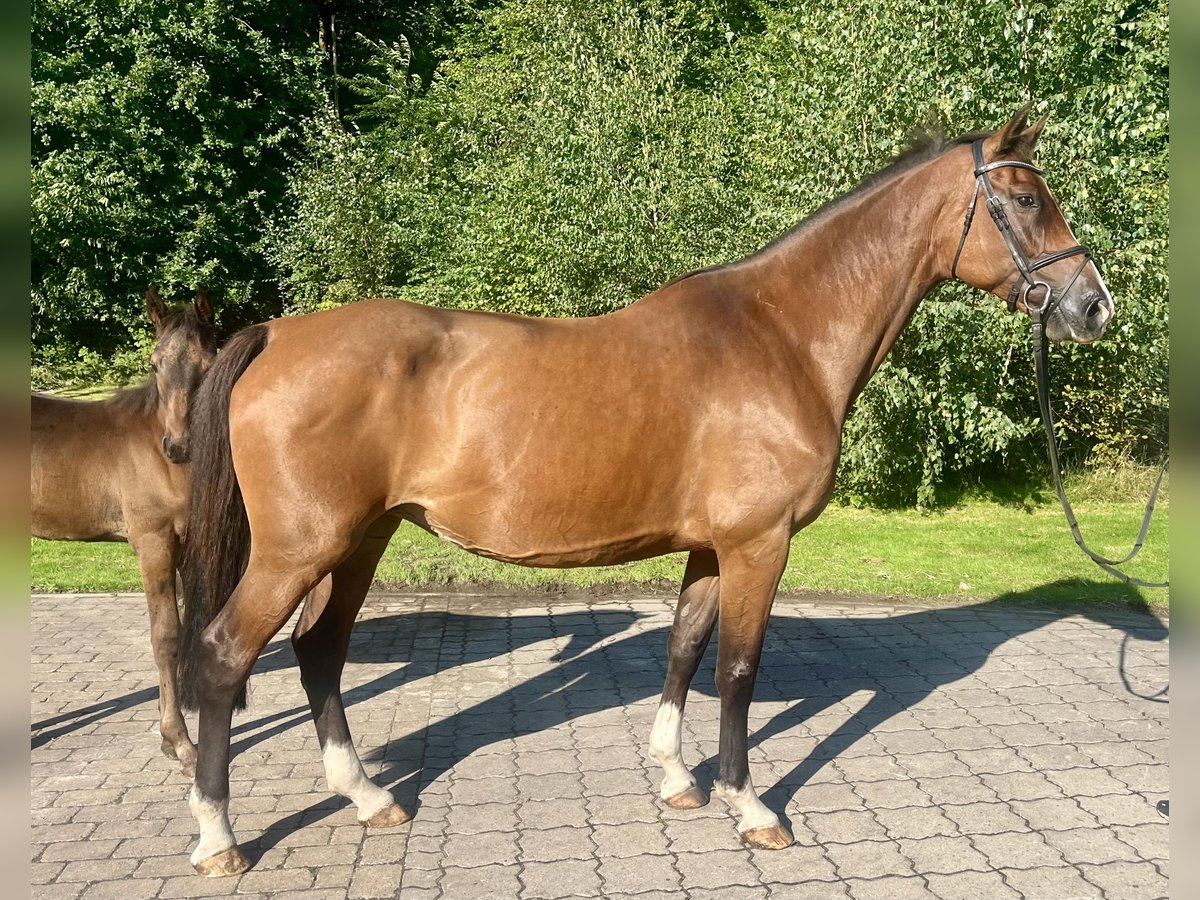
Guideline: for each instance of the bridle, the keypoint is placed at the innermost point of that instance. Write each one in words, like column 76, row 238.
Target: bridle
column 1022, row 288
column 1026, row 282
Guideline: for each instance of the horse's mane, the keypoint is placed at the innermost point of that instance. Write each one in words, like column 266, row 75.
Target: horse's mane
column 923, row 144
column 142, row 398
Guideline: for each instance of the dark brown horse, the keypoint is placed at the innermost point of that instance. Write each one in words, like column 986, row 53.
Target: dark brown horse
column 706, row 418
column 108, row 470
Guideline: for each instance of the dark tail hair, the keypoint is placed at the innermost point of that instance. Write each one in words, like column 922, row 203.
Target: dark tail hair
column 217, row 544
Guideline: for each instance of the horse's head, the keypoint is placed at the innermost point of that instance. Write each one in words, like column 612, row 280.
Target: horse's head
column 1013, row 240
column 184, row 348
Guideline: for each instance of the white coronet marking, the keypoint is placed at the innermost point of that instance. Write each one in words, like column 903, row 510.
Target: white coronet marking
column 751, row 811
column 666, row 747
column 344, row 774
column 215, row 834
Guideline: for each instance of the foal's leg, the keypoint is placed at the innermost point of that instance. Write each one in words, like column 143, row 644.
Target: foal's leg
column 694, row 617
column 230, row 646
column 750, row 575
column 321, row 640
column 157, row 554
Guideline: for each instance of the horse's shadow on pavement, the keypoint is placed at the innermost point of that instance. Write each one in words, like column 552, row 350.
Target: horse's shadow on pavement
column 812, row 663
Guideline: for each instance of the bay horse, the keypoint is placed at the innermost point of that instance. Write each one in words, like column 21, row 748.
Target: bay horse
column 111, row 470
column 706, row 417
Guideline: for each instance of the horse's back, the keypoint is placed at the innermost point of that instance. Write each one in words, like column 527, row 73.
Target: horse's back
column 544, row 441
column 92, row 469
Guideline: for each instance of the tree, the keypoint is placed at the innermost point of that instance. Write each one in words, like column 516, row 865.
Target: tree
column 162, row 136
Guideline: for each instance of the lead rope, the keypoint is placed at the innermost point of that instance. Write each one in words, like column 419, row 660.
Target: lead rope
column 1042, row 364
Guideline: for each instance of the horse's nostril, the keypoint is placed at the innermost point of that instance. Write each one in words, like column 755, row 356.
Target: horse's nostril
column 1095, row 307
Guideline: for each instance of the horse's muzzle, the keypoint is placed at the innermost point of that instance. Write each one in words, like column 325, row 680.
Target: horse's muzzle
column 1082, row 319
column 176, row 451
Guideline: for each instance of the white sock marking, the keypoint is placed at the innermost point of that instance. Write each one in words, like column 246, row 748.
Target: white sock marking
column 344, row 774
column 666, row 746
column 215, row 834
column 750, row 810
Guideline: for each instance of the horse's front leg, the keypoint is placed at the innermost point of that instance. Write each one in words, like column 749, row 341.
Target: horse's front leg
column 750, row 573
column 695, row 614
column 157, row 554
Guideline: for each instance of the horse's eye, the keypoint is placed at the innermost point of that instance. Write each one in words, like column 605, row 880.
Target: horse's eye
column 1025, row 200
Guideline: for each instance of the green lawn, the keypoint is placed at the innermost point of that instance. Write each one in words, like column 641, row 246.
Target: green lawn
column 977, row 549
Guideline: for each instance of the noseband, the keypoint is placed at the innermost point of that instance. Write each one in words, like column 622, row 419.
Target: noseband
column 1026, row 283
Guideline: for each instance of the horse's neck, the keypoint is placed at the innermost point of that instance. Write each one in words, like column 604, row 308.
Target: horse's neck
column 851, row 281
column 141, row 405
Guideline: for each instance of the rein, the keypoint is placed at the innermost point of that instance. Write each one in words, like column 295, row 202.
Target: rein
column 1024, row 285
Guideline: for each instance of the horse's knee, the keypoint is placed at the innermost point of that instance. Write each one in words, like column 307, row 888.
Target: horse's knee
column 735, row 679
column 222, row 670
column 687, row 645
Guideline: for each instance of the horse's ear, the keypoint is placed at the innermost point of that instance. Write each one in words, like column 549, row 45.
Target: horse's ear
column 203, row 305
column 1019, row 138
column 155, row 306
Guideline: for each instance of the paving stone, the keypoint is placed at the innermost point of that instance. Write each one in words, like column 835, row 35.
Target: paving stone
column 845, row 827
column 279, row 880
column 985, row 818
column 481, row 883
column 631, row 839
column 549, row 845
column 565, row 878
column 1044, row 814
column 890, row 887
column 915, row 822
column 1051, row 883
column 1150, row 841
column 868, row 859
column 1129, row 881
column 1022, row 786
column 957, row 789
column 715, row 869
column 123, row 889
column 809, row 891
column 944, row 855
column 975, row 753
column 637, row 874
column 1124, row 809
column 1017, row 850
column 972, row 886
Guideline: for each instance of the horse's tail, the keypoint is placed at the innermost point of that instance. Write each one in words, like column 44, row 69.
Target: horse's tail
column 217, row 543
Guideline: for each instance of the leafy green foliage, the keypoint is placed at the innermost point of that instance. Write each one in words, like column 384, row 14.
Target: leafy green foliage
column 161, row 137
column 565, row 158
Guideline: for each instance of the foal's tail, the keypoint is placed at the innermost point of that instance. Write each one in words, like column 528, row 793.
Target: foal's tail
column 217, row 544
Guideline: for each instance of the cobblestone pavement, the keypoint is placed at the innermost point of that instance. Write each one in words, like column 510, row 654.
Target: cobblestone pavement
column 982, row 752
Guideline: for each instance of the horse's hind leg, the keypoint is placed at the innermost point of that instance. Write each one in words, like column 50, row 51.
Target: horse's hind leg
column 321, row 641
column 750, row 573
column 228, row 649
column 694, row 617
column 157, row 554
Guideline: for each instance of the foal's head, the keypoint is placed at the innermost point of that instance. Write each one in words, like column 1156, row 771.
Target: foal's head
column 1069, row 291
column 185, row 346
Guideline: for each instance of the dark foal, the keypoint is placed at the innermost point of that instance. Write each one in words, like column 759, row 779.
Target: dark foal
column 706, row 418
column 109, row 470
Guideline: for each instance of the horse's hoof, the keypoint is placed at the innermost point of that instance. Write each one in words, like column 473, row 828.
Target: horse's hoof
column 229, row 862
column 389, row 817
column 769, row 837
column 692, row 798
